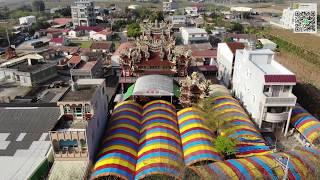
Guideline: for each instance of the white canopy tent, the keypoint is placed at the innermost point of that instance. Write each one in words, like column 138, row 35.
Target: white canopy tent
column 153, row 85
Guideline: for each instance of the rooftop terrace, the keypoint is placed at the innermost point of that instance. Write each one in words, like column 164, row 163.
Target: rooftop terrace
column 80, row 94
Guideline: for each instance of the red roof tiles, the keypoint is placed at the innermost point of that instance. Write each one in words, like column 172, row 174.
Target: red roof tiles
column 281, row 78
column 62, row 21
column 75, row 60
column 88, row 65
column 123, row 47
column 101, row 45
column 106, row 32
column 155, row 60
column 89, row 28
column 57, row 40
column 209, row 53
column 233, row 46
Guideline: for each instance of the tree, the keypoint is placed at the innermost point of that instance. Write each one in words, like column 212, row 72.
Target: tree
column 237, row 27
column 225, row 145
column 211, row 120
column 38, row 5
column 65, row 12
column 227, row 40
column 133, row 30
column 39, row 25
column 158, row 15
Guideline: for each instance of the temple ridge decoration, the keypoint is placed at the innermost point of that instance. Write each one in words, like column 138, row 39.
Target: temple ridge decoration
column 193, row 88
column 155, row 53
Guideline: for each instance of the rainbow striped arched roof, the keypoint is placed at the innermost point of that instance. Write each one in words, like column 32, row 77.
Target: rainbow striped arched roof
column 118, row 154
column 302, row 165
column 160, row 145
column 237, row 124
column 196, row 138
column 306, row 124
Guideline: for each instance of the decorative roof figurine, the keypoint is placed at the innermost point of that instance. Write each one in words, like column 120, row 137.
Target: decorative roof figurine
column 155, row 53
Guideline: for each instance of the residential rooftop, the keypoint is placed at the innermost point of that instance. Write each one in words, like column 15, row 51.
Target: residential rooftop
column 24, row 141
column 68, row 170
column 272, row 68
column 195, row 30
column 24, row 67
column 80, row 94
column 84, row 90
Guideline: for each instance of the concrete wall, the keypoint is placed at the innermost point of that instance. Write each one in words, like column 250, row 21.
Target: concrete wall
column 225, row 60
column 248, row 83
column 96, row 126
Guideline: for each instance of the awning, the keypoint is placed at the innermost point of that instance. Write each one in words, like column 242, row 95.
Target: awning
column 154, row 85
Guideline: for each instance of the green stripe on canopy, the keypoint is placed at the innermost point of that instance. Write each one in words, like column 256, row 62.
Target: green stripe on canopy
column 129, row 92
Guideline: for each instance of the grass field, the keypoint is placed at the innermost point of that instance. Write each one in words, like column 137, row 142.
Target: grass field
column 306, row 41
column 82, row 44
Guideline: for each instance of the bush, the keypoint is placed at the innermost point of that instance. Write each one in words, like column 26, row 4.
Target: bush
column 133, row 30
column 225, row 145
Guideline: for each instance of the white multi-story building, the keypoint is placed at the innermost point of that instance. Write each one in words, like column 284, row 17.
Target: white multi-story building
column 178, row 20
column 169, row 6
column 225, row 58
column 287, row 18
column 83, row 13
column 194, row 35
column 27, row 20
column 264, row 87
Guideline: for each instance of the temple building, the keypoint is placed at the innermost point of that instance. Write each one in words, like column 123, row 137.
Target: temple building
column 154, row 53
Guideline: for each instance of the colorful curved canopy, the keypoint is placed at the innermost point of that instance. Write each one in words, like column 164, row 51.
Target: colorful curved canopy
column 196, row 138
column 306, row 124
column 302, row 165
column 160, row 146
column 237, row 124
column 118, row 154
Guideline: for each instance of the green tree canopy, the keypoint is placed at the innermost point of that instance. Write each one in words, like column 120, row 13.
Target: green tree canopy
column 225, row 145
column 237, row 27
column 211, row 120
column 157, row 15
column 133, row 30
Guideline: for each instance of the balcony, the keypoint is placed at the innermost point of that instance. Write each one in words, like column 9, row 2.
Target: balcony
column 287, row 100
column 276, row 117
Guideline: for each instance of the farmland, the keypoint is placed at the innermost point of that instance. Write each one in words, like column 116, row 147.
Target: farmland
column 308, row 42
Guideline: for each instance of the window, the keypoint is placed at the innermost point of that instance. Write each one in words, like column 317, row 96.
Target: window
column 286, row 88
column 276, row 109
column 87, row 108
column 78, row 111
column 266, row 88
column 66, row 109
